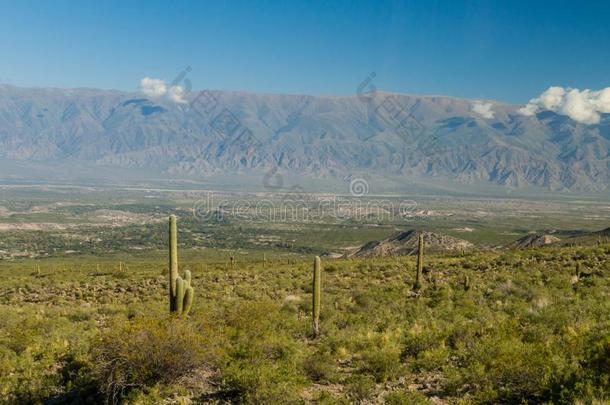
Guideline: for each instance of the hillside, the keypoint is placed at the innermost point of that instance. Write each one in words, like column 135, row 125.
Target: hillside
column 78, row 330
column 534, row 240
column 405, row 243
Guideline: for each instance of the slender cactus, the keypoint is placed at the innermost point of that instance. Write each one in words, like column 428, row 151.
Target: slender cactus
column 180, row 291
column 466, row 282
column 317, row 269
column 173, row 261
column 188, row 300
column 420, row 263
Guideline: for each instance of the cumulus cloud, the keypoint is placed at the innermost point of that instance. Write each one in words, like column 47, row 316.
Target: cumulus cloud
column 153, row 87
column 584, row 106
column 176, row 94
column 485, row 110
column 157, row 88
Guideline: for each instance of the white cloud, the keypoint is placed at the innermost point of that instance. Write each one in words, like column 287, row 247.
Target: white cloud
column 157, row 88
column 176, row 94
column 153, row 87
column 529, row 109
column 584, row 106
column 483, row 109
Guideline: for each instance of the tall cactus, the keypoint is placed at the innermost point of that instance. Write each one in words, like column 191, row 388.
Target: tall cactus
column 180, row 290
column 317, row 269
column 420, row 263
column 173, row 261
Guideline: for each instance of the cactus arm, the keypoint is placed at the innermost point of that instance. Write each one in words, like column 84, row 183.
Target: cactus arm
column 187, row 278
column 188, row 300
column 180, row 287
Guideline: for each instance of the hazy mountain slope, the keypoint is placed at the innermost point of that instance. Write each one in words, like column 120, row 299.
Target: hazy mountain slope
column 315, row 136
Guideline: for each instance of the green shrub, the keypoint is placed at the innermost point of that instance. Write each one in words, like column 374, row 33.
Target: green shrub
column 597, row 361
column 261, row 382
column 432, row 359
column 501, row 368
column 145, row 351
column 403, row 397
column 591, row 383
column 262, row 360
column 383, row 364
column 326, row 398
column 422, row 338
column 361, row 387
column 321, row 367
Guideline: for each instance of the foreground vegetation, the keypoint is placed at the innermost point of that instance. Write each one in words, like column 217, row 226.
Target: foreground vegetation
column 525, row 326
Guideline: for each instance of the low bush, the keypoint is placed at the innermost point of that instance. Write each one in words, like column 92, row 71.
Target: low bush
column 361, row 388
column 321, row 367
column 262, row 362
column 144, row 352
column 403, row 397
column 382, row 363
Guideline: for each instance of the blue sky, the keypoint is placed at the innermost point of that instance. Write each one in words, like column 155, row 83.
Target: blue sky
column 504, row 50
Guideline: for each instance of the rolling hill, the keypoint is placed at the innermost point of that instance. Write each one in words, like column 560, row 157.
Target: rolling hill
column 406, row 243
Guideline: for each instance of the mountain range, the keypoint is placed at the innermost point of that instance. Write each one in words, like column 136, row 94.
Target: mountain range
column 396, row 136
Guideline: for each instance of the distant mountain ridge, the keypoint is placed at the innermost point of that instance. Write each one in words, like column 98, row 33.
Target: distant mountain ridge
column 395, row 135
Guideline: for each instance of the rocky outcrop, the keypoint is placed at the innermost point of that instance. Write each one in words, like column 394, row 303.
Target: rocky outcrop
column 405, row 243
